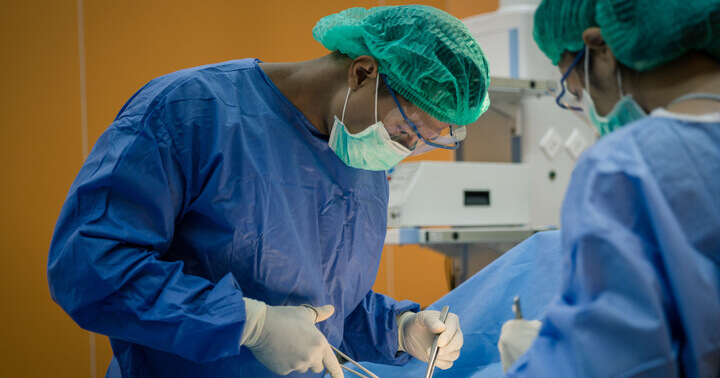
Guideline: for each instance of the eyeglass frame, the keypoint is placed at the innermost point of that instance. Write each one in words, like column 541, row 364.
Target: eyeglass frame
column 417, row 131
column 574, row 63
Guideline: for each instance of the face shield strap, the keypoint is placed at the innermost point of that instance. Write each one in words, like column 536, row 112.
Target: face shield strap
column 417, row 132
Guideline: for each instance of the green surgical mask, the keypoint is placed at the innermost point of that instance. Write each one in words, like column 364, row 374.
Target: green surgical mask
column 371, row 149
column 625, row 111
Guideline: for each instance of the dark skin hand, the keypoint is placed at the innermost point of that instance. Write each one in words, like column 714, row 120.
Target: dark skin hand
column 692, row 73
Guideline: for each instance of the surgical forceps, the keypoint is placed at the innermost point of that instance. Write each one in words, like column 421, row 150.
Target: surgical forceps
column 434, row 350
column 354, row 363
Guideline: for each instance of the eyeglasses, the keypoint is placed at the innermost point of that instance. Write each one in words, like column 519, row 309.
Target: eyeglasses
column 569, row 103
column 417, row 135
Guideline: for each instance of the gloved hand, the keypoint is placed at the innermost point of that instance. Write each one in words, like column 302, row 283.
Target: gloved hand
column 285, row 339
column 416, row 333
column 516, row 336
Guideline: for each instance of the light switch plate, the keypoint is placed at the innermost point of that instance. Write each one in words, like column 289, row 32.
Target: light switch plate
column 575, row 144
column 551, row 143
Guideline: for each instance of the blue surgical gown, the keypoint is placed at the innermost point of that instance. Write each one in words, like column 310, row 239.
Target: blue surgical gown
column 210, row 186
column 640, row 291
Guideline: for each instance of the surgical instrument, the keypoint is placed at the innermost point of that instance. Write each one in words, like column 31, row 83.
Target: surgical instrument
column 354, row 363
column 434, row 350
column 516, row 307
column 353, row 371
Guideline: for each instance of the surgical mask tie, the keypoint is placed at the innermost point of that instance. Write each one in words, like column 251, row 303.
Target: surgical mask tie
column 371, row 149
column 625, row 111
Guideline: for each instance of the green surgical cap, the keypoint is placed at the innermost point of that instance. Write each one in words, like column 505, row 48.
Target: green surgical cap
column 428, row 56
column 643, row 34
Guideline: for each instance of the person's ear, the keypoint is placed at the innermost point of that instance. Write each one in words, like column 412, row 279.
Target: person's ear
column 363, row 70
column 599, row 48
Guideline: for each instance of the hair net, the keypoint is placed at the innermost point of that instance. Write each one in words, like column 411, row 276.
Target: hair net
column 428, row 56
column 643, row 34
column 559, row 25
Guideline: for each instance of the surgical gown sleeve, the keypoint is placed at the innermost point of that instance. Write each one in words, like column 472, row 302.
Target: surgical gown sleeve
column 610, row 319
column 105, row 266
column 371, row 331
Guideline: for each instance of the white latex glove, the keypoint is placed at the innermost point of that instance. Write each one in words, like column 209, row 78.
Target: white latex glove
column 416, row 333
column 516, row 336
column 285, row 339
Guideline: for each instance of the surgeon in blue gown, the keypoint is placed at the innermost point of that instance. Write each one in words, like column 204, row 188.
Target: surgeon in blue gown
column 640, row 288
column 230, row 221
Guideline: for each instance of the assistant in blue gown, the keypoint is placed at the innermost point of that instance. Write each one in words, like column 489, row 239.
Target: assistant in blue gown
column 210, row 186
column 641, row 242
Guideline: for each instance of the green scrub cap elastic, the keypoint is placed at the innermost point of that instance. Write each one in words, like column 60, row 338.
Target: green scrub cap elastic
column 643, row 34
column 428, row 56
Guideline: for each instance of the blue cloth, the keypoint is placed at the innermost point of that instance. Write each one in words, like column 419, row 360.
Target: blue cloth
column 210, row 186
column 484, row 303
column 641, row 245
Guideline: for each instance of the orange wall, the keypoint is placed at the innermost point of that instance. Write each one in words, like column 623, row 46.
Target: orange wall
column 42, row 142
column 40, row 145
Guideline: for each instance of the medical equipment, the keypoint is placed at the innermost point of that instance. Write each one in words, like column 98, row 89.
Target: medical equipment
column 353, row 371
column 472, row 194
column 516, row 307
column 513, row 167
column 435, row 348
column 535, row 132
column 336, row 350
column 480, row 209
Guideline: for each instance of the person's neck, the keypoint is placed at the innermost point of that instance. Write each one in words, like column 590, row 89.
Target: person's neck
column 313, row 86
column 692, row 73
